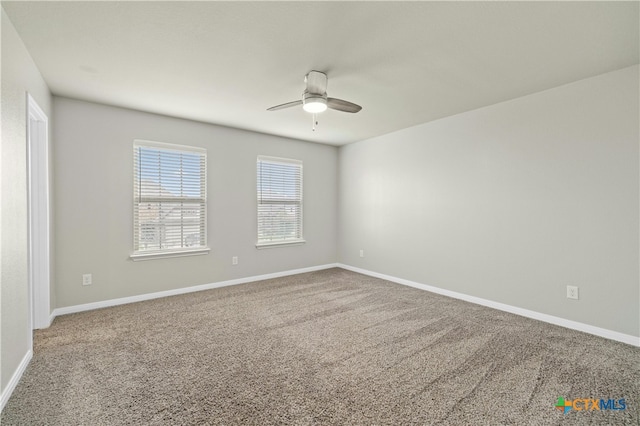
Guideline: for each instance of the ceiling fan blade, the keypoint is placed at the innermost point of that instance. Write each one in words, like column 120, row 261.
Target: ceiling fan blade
column 340, row 105
column 316, row 82
column 283, row 106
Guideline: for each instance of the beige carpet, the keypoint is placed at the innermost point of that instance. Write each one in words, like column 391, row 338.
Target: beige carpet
column 330, row 347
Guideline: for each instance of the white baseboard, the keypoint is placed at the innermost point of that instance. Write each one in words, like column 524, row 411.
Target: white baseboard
column 50, row 319
column 586, row 328
column 574, row 325
column 6, row 392
column 175, row 292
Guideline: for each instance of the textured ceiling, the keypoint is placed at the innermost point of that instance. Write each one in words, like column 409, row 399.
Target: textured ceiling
column 405, row 62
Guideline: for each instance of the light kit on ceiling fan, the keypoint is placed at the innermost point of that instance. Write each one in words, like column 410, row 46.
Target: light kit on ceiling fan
column 314, row 104
column 314, row 98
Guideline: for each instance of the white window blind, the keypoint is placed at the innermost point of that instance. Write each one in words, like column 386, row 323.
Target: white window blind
column 279, row 201
column 170, row 198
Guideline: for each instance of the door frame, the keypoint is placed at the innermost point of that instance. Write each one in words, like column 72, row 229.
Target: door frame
column 38, row 215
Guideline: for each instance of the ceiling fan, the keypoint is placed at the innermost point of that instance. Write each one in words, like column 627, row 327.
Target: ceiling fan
column 314, row 98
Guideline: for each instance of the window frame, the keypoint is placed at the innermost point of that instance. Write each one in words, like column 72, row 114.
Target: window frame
column 138, row 254
column 282, row 243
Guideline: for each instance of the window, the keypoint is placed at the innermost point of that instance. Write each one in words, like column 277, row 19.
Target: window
column 170, row 200
column 279, row 201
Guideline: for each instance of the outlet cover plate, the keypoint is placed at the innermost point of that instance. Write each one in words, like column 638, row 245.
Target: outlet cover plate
column 572, row 292
column 86, row 279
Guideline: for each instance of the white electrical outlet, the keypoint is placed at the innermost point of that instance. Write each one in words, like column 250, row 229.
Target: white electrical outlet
column 572, row 292
column 361, row 253
column 86, row 279
column 234, row 260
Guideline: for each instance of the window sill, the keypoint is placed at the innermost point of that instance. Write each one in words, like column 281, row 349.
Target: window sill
column 164, row 254
column 280, row 244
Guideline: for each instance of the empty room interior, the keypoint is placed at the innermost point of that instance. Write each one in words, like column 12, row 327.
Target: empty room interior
column 344, row 213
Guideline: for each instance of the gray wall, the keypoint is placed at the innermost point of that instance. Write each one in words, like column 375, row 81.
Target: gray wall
column 510, row 203
column 94, row 203
column 19, row 76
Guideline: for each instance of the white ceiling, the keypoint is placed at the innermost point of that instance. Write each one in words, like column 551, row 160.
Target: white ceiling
column 406, row 63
